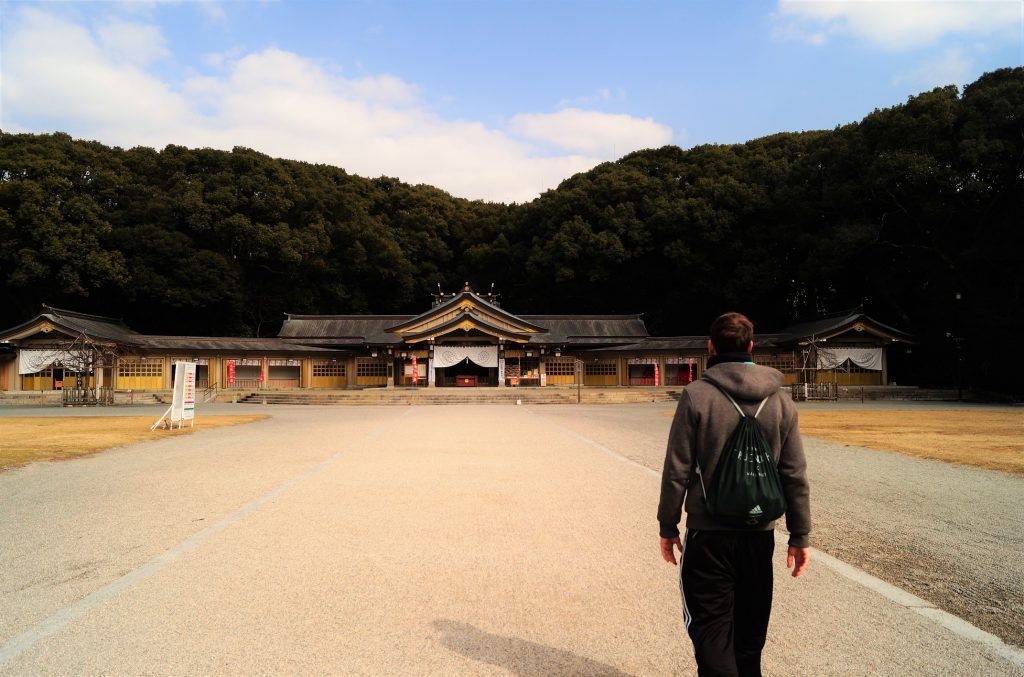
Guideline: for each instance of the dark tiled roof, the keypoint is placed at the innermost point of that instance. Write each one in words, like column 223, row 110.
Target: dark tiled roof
column 271, row 344
column 360, row 329
column 838, row 323
column 95, row 326
column 678, row 343
column 769, row 340
column 343, row 329
column 578, row 329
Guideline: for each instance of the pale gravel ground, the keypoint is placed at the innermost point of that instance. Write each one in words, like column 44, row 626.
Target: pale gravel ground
column 949, row 534
column 461, row 540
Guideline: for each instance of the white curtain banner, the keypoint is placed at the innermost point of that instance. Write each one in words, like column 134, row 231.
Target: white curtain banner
column 865, row 358
column 449, row 356
column 31, row 361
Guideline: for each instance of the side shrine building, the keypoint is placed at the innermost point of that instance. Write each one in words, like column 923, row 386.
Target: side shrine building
column 464, row 340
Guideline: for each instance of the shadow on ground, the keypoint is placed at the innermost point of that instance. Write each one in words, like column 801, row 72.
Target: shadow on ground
column 518, row 656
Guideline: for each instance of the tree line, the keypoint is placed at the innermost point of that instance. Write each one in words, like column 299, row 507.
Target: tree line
column 914, row 213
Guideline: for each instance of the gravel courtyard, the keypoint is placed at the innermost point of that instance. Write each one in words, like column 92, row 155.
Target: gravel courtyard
column 467, row 540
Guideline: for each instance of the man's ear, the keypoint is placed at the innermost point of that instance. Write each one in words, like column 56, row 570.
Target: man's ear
column 711, row 348
column 750, row 348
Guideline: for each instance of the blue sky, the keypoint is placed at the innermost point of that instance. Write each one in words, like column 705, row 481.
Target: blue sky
column 494, row 100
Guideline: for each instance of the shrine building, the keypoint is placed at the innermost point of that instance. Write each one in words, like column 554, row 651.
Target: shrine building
column 464, row 339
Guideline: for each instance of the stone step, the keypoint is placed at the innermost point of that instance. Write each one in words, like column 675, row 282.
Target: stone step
column 450, row 396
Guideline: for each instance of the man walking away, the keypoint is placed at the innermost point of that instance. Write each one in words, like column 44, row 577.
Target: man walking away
column 726, row 573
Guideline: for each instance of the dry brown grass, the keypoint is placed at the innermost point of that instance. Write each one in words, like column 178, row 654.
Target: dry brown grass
column 987, row 438
column 28, row 439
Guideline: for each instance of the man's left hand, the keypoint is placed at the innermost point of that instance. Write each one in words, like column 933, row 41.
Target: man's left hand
column 797, row 558
column 668, row 549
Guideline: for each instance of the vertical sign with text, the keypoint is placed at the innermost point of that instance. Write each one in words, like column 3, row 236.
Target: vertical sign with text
column 183, row 405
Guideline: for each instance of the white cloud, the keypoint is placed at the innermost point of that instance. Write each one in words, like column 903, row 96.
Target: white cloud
column 59, row 76
column 133, row 42
column 592, row 132
column 54, row 70
column 952, row 67
column 212, row 10
column 895, row 24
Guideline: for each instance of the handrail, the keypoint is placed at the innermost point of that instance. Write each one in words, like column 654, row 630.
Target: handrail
column 210, row 390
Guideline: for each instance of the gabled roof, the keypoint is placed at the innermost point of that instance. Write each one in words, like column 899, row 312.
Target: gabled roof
column 73, row 323
column 840, row 323
column 466, row 321
column 468, row 302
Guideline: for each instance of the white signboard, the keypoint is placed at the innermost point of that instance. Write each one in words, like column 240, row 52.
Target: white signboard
column 183, row 406
column 421, row 370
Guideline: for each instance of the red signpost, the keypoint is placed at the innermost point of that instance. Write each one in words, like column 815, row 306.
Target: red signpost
column 231, row 372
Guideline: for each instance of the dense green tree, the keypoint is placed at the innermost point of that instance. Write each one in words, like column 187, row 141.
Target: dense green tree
column 913, row 212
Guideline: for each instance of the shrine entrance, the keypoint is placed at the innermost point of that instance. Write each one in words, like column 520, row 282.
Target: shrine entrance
column 466, row 365
column 467, row 375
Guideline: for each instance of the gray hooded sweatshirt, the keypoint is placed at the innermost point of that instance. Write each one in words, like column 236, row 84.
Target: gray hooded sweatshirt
column 703, row 422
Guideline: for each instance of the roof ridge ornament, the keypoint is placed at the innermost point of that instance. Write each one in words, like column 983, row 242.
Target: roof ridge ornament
column 441, row 297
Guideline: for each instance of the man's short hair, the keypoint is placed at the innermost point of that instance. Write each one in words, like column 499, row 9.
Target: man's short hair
column 732, row 333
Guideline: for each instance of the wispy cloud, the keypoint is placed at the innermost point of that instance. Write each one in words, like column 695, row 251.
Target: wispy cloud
column 952, row 67
column 895, row 24
column 60, row 75
column 600, row 96
column 591, row 132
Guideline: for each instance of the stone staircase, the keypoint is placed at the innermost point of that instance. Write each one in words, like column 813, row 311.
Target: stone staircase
column 897, row 393
column 442, row 396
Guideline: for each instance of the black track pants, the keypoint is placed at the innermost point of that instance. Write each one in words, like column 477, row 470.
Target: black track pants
column 726, row 582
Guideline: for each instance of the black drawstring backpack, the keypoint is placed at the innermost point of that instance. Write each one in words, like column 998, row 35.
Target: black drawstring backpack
column 745, row 490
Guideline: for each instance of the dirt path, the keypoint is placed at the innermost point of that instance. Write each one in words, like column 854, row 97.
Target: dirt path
column 431, row 540
column 949, row 534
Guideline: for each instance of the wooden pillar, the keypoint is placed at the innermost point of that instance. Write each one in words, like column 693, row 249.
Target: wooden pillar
column 350, row 371
column 13, row 378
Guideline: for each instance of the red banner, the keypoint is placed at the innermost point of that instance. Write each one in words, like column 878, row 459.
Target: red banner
column 231, row 372
column 657, row 374
column 263, row 370
column 415, row 371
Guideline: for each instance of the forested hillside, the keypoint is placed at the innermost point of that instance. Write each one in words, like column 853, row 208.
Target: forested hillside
column 915, row 212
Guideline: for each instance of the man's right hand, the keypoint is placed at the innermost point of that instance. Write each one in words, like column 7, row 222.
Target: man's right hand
column 668, row 546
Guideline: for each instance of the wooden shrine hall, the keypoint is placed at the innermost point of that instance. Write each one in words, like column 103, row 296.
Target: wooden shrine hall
column 464, row 339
